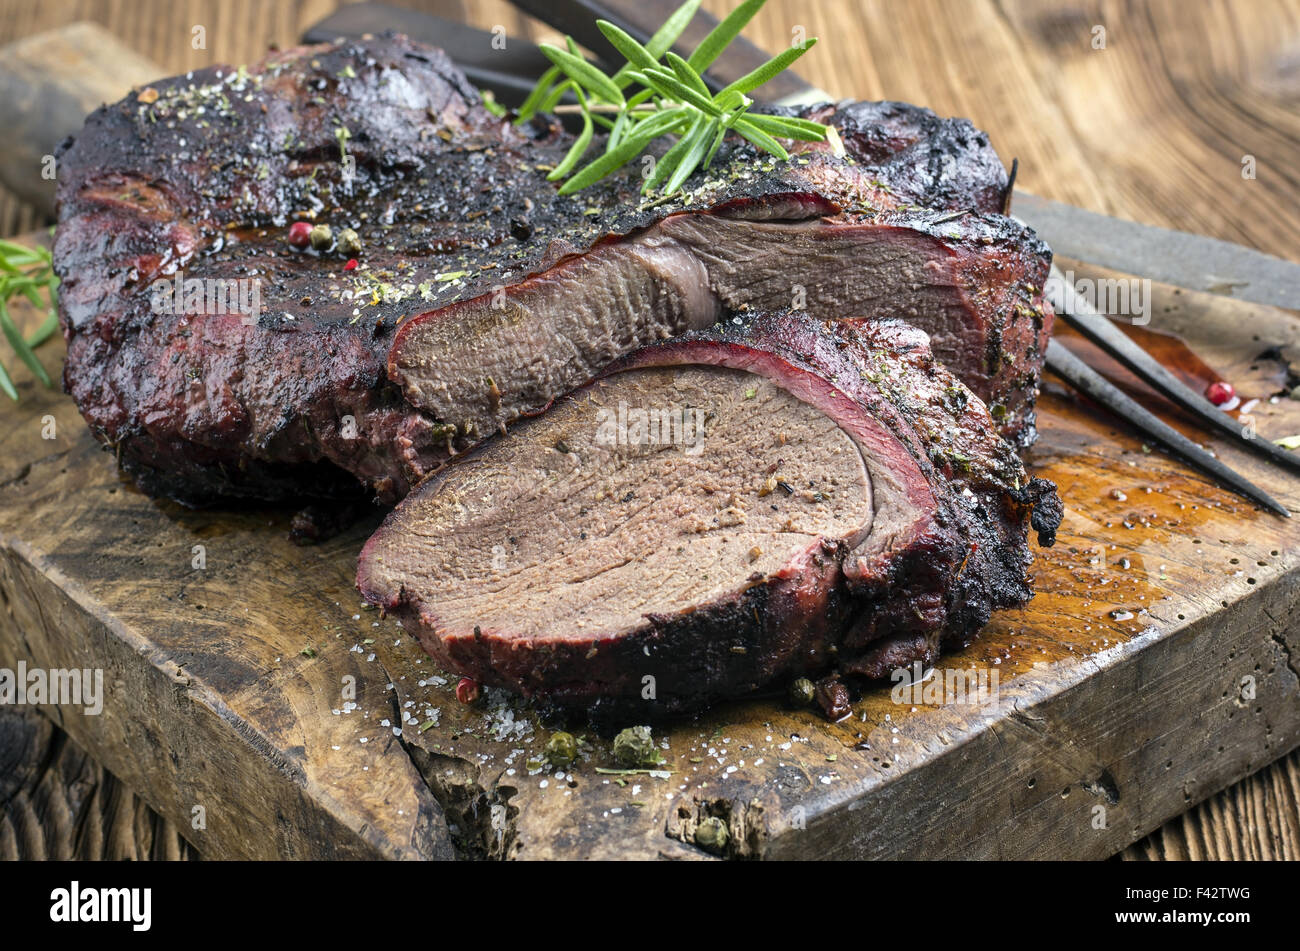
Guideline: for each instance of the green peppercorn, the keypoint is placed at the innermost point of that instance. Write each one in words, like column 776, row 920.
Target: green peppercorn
column 635, row 747
column 349, row 242
column 712, row 835
column 321, row 237
column 561, row 749
column 802, row 692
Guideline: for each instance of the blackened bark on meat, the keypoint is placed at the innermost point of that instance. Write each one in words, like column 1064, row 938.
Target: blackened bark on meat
column 1040, row 496
column 832, row 698
column 932, row 161
column 202, row 181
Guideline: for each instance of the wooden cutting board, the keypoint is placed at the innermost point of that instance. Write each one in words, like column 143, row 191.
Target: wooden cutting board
column 1158, row 664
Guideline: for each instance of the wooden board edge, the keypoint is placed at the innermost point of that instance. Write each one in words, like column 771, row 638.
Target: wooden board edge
column 163, row 735
column 1048, row 779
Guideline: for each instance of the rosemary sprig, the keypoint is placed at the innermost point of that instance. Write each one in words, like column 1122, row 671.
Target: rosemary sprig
column 672, row 99
column 29, row 272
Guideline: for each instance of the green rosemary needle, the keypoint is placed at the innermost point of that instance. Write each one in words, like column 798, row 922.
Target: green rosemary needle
column 658, row 93
column 29, row 272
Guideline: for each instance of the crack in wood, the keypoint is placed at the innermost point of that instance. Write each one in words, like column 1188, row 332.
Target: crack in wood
column 481, row 822
column 746, row 826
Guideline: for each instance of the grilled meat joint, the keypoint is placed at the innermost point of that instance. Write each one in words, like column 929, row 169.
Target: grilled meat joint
column 454, row 291
column 772, row 497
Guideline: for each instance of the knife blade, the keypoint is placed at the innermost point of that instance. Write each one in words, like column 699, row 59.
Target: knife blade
column 1193, row 261
column 510, row 73
column 512, row 76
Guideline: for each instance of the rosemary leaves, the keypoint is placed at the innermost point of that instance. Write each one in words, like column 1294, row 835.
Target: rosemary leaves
column 29, row 272
column 658, row 93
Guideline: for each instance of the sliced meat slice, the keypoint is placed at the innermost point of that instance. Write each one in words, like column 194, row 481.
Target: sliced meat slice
column 972, row 282
column 715, row 513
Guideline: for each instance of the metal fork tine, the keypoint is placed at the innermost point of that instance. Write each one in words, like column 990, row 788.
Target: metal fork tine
column 1102, row 331
column 1091, row 383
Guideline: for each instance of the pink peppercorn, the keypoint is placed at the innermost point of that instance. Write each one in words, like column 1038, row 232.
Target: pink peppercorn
column 467, row 690
column 300, row 234
column 1220, row 393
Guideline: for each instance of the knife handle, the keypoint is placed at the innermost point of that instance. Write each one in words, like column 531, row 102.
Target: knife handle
column 641, row 18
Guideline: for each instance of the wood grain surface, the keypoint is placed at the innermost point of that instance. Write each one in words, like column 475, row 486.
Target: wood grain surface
column 57, row 802
column 1154, row 127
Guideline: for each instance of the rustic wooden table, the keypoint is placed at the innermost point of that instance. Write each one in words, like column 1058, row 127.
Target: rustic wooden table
column 1154, row 127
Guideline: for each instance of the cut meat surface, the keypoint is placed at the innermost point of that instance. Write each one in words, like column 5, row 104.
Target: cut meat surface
column 758, row 500
column 970, row 283
column 610, row 547
column 197, row 180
